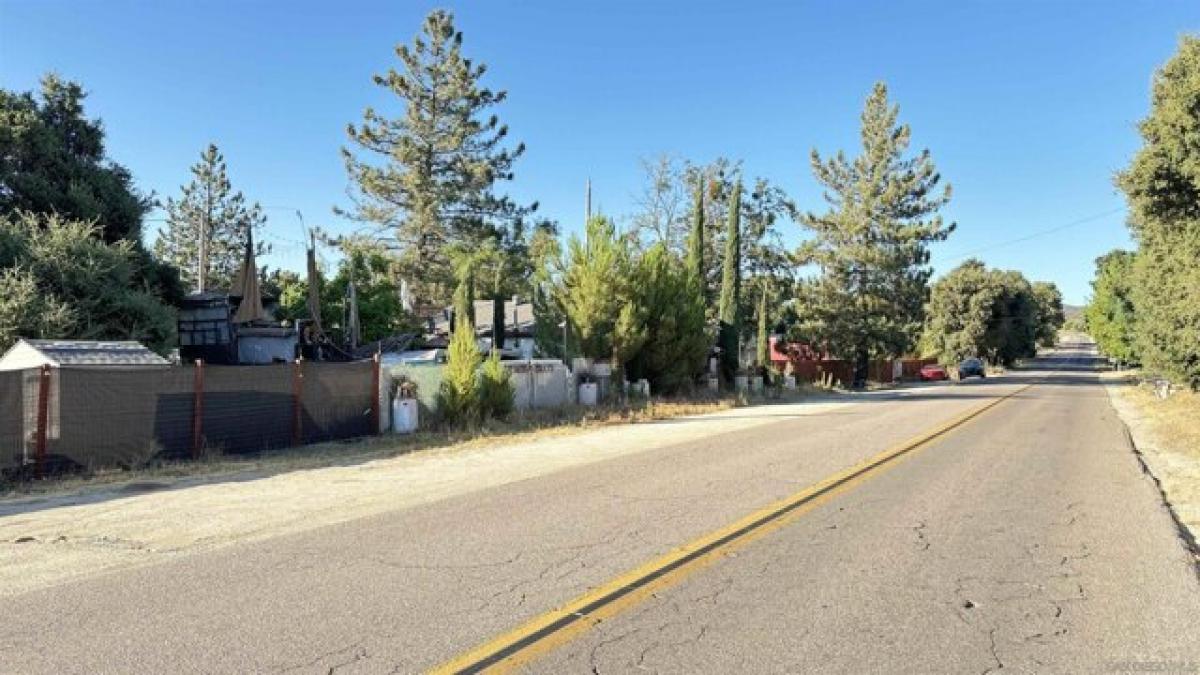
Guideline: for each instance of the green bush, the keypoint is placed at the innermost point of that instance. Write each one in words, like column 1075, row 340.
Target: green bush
column 458, row 396
column 495, row 389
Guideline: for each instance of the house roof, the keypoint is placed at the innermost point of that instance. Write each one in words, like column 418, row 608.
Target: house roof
column 516, row 318
column 96, row 353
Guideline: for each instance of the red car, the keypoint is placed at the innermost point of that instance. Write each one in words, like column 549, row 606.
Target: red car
column 933, row 372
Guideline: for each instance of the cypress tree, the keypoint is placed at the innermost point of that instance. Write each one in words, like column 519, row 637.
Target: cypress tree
column 695, row 257
column 728, row 313
column 458, row 395
column 763, row 354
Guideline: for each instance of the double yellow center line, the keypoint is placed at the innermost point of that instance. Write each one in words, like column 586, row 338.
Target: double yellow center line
column 543, row 633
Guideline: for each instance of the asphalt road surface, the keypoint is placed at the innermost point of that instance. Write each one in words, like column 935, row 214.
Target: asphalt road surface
column 1026, row 539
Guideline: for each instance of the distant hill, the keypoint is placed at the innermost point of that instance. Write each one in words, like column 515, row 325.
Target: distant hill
column 1072, row 311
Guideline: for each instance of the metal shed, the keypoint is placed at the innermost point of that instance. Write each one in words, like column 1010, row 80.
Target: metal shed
column 80, row 353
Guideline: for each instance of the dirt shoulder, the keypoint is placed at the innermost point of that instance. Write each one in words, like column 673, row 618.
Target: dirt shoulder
column 1167, row 434
column 49, row 539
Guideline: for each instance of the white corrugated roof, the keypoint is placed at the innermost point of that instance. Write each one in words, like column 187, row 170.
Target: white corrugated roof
column 97, row 353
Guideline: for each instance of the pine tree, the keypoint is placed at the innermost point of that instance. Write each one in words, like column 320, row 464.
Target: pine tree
column 1162, row 187
column 208, row 225
column 440, row 162
column 872, row 244
column 597, row 293
column 676, row 342
column 729, row 310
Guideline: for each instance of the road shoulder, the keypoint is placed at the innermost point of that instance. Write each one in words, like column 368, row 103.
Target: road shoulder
column 1166, row 456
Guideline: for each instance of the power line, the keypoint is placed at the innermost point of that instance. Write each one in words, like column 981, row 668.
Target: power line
column 1035, row 235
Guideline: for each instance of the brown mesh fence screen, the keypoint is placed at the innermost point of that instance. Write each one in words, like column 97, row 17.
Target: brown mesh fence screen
column 12, row 423
column 123, row 418
column 248, row 408
column 337, row 400
column 108, row 417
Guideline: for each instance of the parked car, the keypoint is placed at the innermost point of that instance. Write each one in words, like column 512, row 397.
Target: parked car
column 971, row 366
column 933, row 372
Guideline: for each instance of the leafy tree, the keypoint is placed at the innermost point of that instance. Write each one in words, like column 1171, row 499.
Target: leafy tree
column 59, row 279
column 495, row 388
column 872, row 244
column 995, row 314
column 435, row 170
column 381, row 313
column 1162, row 187
column 729, row 311
column 960, row 313
column 1110, row 315
column 596, row 294
column 52, row 160
column 1013, row 331
column 661, row 216
column 208, row 225
column 676, row 342
column 1050, row 312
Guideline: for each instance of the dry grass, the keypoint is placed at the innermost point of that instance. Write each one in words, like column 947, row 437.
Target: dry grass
column 1175, row 420
column 1167, row 432
column 521, row 427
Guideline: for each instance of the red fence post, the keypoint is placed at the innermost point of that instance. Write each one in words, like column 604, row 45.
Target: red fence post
column 297, row 403
column 43, row 421
column 375, row 378
column 198, row 410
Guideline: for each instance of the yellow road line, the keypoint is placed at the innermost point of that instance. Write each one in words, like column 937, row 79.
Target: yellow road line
column 543, row 633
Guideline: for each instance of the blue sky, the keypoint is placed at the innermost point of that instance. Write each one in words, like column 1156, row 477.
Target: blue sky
column 1028, row 108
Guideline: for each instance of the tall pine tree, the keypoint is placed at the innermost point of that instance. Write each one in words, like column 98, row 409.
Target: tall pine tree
column 207, row 226
column 729, row 311
column 430, row 175
column 872, row 245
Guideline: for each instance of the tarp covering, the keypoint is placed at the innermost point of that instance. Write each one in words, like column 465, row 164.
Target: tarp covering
column 245, row 284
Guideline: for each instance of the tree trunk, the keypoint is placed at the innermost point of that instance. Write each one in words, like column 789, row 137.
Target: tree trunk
column 862, row 365
column 498, row 322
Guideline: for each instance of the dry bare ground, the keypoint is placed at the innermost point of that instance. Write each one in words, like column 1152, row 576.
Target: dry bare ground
column 1167, row 434
column 73, row 533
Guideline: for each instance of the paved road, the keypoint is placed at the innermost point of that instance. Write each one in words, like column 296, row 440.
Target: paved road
column 1027, row 539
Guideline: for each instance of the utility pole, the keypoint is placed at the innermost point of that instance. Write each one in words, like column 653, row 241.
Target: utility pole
column 205, row 226
column 587, row 212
